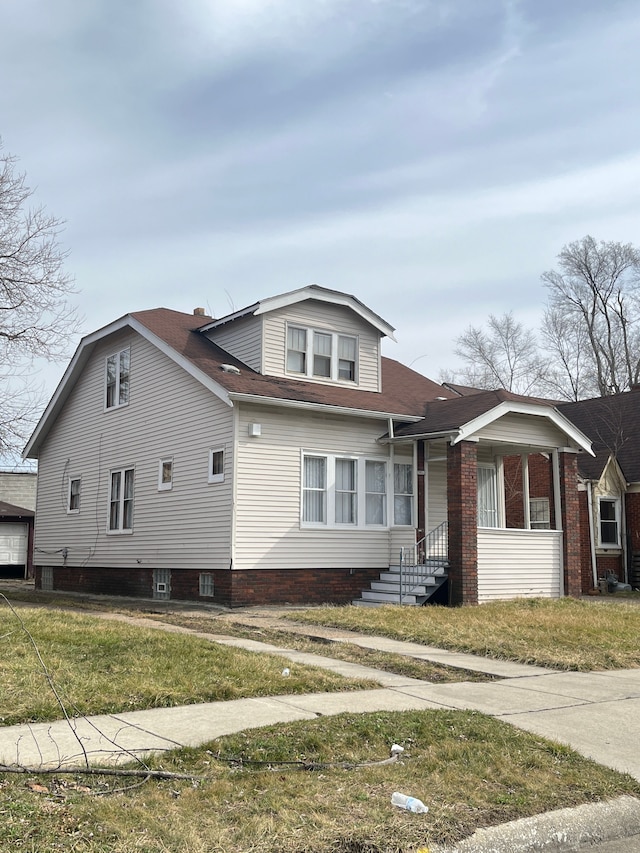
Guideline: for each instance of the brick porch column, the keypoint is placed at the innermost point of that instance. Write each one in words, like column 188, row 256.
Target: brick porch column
column 570, row 510
column 462, row 502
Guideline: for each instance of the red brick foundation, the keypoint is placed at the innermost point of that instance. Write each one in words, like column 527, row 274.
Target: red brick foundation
column 232, row 588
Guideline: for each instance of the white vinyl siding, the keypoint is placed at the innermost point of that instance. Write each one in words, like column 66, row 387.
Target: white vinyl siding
column 331, row 320
column 523, row 430
column 190, row 525
column 436, row 488
column 271, row 489
column 241, row 338
column 519, row 563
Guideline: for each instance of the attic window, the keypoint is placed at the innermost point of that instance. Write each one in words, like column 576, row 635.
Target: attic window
column 321, row 354
column 117, row 379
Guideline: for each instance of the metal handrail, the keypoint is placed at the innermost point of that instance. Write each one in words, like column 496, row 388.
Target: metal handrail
column 420, row 561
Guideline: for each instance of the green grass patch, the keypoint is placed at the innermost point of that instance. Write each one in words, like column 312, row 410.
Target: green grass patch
column 101, row 666
column 561, row 633
column 470, row 770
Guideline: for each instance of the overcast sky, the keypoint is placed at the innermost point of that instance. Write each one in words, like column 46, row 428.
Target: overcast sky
column 430, row 157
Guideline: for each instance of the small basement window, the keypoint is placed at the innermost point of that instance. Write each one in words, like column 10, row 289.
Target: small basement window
column 206, row 585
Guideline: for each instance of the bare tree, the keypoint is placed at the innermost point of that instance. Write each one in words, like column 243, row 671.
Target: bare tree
column 597, row 289
column 570, row 374
column 504, row 354
column 36, row 318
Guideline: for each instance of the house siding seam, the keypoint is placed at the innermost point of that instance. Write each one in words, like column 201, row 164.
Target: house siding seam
column 462, row 490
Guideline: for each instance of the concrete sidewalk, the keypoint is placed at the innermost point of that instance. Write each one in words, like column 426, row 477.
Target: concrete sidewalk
column 597, row 713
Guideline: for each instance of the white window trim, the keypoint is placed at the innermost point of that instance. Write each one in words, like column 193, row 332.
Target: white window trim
column 120, row 531
column 309, row 374
column 616, row 500
column 165, row 487
column 361, row 493
column 216, row 478
column 69, row 510
column 117, row 404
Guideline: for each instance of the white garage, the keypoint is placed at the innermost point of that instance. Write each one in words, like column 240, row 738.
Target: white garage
column 16, row 524
column 14, row 539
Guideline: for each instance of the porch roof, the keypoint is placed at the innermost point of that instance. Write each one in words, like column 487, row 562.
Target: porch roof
column 461, row 418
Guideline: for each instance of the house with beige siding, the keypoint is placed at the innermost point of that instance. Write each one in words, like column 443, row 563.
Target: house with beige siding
column 274, row 455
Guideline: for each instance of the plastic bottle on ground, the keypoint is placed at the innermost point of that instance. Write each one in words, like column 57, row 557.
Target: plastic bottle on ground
column 411, row 804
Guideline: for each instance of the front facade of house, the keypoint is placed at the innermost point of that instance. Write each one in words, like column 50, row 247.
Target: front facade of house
column 274, row 456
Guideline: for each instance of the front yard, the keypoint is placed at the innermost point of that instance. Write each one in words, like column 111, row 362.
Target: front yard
column 309, row 787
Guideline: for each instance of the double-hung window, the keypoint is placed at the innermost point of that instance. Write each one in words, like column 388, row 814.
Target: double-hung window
column 73, row 505
column 322, row 354
column 376, row 492
column 121, row 501
column 296, row 350
column 346, row 494
column 165, row 475
column 609, row 522
column 117, row 379
column 314, row 490
column 339, row 491
column 403, row 494
column 216, row 465
column 539, row 518
column 487, row 496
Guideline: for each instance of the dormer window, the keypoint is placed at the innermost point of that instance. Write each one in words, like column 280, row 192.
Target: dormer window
column 325, row 355
column 296, row 350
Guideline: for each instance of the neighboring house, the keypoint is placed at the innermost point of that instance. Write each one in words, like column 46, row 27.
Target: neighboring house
column 274, row 455
column 610, row 486
column 17, row 503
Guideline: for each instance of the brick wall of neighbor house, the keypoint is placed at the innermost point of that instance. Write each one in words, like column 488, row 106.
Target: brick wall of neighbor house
column 571, row 540
column 540, row 486
column 586, row 571
column 632, row 510
column 231, row 588
column 462, row 499
column 541, row 481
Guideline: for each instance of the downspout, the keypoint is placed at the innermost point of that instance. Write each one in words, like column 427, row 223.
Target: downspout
column 592, row 543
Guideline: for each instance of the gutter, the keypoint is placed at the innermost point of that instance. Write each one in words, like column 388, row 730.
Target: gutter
column 319, row 407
